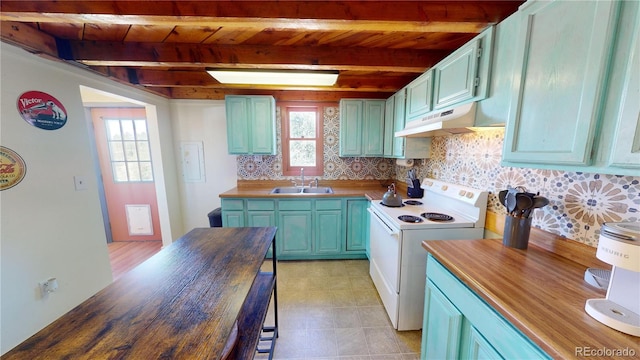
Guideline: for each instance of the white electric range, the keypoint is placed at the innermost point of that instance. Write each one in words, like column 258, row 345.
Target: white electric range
column 398, row 261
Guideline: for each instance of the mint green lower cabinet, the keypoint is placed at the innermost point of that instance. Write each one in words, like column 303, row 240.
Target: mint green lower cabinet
column 308, row 228
column 295, row 228
column 475, row 346
column 233, row 213
column 261, row 213
column 442, row 332
column 459, row 324
column 357, row 225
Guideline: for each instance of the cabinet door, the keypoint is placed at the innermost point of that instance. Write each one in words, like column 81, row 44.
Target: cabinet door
column 238, row 129
column 626, row 144
column 478, row 347
column 263, row 129
column 373, row 131
column 294, row 233
column 357, row 225
column 328, row 232
column 351, row 127
column 419, row 93
column 559, row 81
column 232, row 218
column 398, row 123
column 455, row 77
column 442, row 326
column 389, row 117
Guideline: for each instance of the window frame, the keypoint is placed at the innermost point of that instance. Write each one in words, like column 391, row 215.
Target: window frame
column 318, row 108
column 122, row 141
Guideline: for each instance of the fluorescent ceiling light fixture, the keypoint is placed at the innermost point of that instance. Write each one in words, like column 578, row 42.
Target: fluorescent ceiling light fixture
column 275, row 77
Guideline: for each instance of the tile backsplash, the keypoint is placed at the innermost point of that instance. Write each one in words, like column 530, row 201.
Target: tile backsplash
column 579, row 202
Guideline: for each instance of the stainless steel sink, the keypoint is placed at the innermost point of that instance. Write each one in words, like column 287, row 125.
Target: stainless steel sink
column 318, row 190
column 299, row 190
column 286, row 190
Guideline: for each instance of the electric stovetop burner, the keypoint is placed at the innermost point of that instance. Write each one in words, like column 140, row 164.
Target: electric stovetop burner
column 413, row 202
column 410, row 218
column 437, row 216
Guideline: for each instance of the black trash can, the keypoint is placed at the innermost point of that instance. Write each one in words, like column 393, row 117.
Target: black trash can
column 215, row 218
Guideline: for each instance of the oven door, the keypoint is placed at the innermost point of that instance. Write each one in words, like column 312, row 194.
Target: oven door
column 385, row 242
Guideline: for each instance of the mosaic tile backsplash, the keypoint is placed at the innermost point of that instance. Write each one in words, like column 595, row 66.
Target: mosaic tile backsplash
column 578, row 202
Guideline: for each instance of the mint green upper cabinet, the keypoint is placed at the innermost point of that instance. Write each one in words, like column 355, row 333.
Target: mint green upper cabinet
column 351, row 127
column 419, row 96
column 494, row 109
column 464, row 75
column 389, row 116
column 400, row 147
column 362, row 127
column 455, row 76
column 251, row 124
column 373, row 129
column 625, row 152
column 562, row 56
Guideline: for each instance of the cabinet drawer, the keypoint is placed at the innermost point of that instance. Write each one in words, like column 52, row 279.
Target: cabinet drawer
column 334, row 204
column 505, row 338
column 261, row 205
column 294, row 205
column 232, row 204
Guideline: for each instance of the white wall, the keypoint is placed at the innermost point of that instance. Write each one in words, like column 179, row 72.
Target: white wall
column 205, row 122
column 47, row 229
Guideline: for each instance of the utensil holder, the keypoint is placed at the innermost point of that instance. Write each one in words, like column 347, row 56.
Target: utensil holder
column 516, row 232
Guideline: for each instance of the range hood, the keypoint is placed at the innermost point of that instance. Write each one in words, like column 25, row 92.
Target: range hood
column 456, row 120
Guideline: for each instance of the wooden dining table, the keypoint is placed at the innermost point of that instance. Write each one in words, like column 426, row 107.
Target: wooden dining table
column 182, row 303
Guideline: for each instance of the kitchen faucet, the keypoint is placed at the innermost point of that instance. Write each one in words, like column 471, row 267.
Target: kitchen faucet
column 302, row 176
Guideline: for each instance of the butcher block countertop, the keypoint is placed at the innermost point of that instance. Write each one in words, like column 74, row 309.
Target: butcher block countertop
column 540, row 292
column 371, row 189
column 182, row 303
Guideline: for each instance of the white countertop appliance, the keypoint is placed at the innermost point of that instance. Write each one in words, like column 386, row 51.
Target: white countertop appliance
column 619, row 245
column 398, row 261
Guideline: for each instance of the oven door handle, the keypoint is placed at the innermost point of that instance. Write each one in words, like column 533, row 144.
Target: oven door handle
column 390, row 230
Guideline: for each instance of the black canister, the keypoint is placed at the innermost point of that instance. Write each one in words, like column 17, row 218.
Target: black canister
column 516, row 232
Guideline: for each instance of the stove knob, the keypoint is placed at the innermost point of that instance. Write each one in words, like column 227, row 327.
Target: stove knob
column 470, row 195
column 428, row 183
column 462, row 193
column 444, row 187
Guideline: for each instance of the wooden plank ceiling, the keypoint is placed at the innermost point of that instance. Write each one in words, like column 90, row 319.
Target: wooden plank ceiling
column 165, row 47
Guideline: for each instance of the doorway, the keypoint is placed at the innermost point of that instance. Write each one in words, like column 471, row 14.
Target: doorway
column 124, row 155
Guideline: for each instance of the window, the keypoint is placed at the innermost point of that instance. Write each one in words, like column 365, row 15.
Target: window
column 129, row 150
column 302, row 140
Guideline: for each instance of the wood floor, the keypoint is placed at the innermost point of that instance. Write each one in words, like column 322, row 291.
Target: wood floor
column 125, row 255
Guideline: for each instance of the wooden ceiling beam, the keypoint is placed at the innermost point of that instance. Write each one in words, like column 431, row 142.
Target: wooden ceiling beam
column 29, row 38
column 253, row 56
column 144, row 12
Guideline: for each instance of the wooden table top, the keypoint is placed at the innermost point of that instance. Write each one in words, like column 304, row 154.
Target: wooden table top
column 180, row 304
column 539, row 292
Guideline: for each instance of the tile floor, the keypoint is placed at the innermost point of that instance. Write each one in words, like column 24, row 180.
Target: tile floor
column 330, row 309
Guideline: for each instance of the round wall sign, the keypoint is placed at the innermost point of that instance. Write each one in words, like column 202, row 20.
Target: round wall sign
column 12, row 168
column 42, row 110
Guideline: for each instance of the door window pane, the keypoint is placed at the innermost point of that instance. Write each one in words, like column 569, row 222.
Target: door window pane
column 129, row 150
